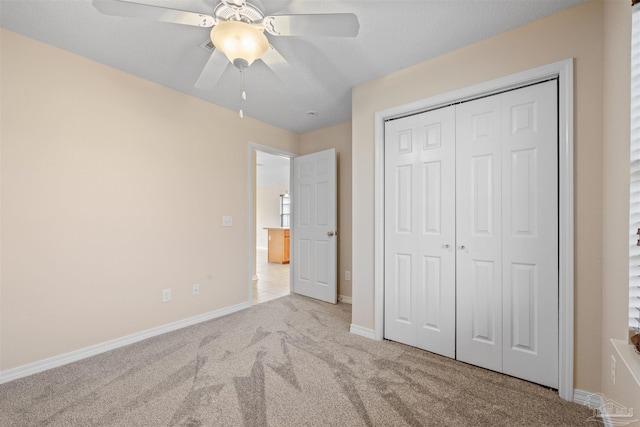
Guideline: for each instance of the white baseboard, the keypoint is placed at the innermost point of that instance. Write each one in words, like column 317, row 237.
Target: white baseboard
column 63, row 359
column 582, row 397
column 363, row 332
column 345, row 299
column 593, row 401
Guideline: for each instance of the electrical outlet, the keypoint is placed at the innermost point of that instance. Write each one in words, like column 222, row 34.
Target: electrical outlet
column 195, row 290
column 613, row 369
column 166, row 295
column 347, row 275
column 227, row 221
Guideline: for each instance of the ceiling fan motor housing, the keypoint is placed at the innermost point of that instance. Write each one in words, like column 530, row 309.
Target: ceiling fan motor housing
column 247, row 13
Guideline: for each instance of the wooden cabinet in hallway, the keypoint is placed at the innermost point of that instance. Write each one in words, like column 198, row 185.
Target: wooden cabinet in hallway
column 279, row 245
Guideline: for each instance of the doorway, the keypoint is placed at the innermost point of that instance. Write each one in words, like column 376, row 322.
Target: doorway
column 270, row 176
column 309, row 240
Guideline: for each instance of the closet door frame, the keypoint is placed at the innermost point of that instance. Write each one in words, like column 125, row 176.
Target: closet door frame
column 563, row 71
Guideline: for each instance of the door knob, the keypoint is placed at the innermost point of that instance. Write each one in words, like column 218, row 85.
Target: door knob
column 446, row 246
column 331, row 233
column 462, row 247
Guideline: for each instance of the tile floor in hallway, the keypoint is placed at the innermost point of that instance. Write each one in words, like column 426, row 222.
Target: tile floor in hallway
column 273, row 279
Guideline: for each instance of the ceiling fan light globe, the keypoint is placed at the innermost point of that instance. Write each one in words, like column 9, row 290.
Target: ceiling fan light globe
column 239, row 40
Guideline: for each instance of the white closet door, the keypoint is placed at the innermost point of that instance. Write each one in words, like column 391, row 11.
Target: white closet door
column 530, row 233
column 482, row 174
column 420, row 231
column 479, row 233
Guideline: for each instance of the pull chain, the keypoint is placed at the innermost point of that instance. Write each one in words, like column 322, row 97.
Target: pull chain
column 243, row 94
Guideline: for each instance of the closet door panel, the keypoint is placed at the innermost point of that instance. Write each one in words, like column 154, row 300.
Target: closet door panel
column 401, row 244
column 420, row 231
column 530, row 233
column 478, row 233
column 436, row 290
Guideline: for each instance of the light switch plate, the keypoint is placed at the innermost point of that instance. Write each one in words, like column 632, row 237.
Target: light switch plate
column 227, row 221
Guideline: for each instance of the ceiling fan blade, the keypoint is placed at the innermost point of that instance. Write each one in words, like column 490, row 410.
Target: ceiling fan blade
column 333, row 24
column 212, row 70
column 274, row 60
column 152, row 13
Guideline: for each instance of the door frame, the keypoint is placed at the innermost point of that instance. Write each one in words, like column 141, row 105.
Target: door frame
column 253, row 147
column 563, row 71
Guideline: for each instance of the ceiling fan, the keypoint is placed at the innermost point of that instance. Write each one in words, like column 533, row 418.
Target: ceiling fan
column 238, row 32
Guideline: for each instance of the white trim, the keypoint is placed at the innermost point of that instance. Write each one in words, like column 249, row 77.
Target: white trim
column 627, row 354
column 593, row 400
column 363, row 332
column 566, row 226
column 378, row 239
column 606, row 420
column 564, row 71
column 74, row 356
column 345, row 299
column 252, row 226
column 582, row 397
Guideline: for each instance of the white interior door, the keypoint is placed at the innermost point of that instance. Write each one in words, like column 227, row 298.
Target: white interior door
column 530, row 233
column 478, row 233
column 420, row 231
column 314, row 226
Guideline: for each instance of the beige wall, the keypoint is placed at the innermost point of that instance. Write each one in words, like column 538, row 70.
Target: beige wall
column 577, row 33
column 338, row 137
column 114, row 188
column 615, row 202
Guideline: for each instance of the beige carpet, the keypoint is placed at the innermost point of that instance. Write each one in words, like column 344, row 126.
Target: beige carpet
column 287, row 362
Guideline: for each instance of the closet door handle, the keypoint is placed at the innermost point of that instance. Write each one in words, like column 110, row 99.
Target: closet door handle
column 446, row 246
column 462, row 247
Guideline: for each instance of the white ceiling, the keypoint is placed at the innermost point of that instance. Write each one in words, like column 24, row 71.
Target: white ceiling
column 394, row 34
